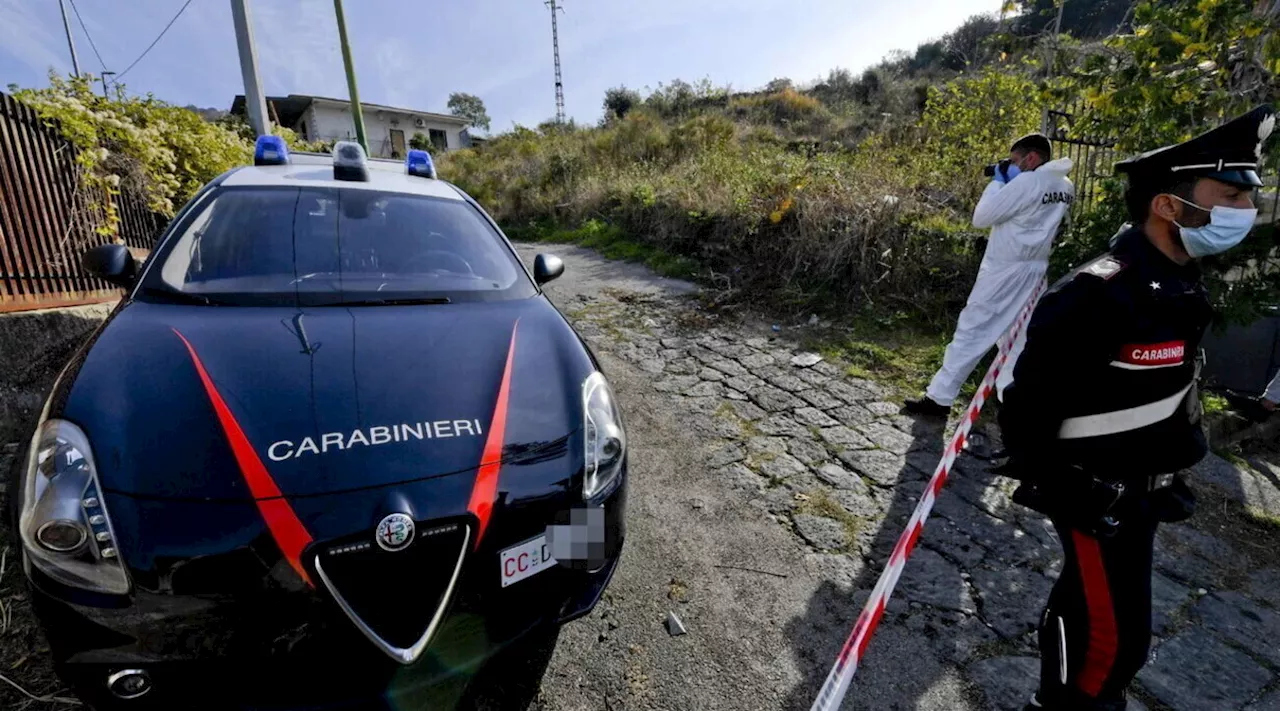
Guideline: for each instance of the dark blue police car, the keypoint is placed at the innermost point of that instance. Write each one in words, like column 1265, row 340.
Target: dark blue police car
column 334, row 446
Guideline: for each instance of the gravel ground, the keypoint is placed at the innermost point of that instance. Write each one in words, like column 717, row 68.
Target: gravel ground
column 743, row 458
column 766, row 492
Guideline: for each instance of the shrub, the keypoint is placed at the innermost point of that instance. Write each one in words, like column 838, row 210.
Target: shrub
column 141, row 145
column 814, row 229
column 619, row 101
column 970, row 122
column 788, row 108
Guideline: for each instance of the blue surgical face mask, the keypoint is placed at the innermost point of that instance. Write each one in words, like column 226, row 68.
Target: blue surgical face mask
column 1227, row 228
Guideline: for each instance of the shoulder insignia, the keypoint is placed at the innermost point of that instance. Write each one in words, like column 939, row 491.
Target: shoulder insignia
column 1103, row 267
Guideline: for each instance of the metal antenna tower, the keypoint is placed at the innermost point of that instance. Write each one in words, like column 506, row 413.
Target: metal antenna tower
column 555, row 44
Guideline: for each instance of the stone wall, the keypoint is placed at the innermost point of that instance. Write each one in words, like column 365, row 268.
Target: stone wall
column 34, row 346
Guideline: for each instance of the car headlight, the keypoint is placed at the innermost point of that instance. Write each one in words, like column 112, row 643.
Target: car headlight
column 605, row 440
column 65, row 528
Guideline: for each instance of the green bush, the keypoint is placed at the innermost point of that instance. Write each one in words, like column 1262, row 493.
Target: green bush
column 1187, row 66
column 724, row 187
column 801, row 114
column 140, row 145
column 857, row 193
column 971, row 122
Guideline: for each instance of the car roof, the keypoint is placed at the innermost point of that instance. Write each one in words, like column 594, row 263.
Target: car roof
column 316, row 171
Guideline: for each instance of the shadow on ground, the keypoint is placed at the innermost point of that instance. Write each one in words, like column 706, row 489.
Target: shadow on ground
column 903, row 669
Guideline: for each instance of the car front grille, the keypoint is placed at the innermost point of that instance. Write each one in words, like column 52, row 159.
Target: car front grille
column 396, row 598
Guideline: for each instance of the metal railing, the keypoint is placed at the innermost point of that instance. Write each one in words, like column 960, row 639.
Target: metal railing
column 45, row 217
column 1094, row 157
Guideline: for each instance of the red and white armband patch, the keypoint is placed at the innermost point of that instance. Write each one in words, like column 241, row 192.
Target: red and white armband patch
column 1145, row 356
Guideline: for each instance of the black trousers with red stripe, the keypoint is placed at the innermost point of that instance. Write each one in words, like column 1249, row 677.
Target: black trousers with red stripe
column 1096, row 629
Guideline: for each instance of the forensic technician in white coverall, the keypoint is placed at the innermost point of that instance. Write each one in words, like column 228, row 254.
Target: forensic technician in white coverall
column 1026, row 201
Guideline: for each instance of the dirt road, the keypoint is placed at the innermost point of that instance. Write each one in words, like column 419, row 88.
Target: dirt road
column 765, row 494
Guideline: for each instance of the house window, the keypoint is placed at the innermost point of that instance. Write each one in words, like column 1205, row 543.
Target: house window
column 439, row 140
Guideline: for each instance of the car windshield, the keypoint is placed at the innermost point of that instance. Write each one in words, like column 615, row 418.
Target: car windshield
column 269, row 245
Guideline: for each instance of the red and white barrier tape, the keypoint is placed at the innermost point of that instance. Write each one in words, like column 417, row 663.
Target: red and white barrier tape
column 837, row 683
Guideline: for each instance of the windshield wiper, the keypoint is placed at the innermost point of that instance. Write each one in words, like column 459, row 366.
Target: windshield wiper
column 184, row 297
column 392, row 302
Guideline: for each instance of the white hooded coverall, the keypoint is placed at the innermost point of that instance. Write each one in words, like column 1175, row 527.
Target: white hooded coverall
column 1272, row 393
column 1023, row 215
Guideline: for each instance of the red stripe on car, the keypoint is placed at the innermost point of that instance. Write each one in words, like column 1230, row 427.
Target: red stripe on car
column 485, row 491
column 1100, row 655
column 283, row 523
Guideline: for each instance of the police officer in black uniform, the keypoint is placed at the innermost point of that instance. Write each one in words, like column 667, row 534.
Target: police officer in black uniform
column 1103, row 409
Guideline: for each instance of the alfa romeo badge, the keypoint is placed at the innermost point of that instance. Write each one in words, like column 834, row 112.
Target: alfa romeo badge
column 394, row 532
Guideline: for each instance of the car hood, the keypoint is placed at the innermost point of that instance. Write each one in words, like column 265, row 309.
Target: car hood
column 194, row 402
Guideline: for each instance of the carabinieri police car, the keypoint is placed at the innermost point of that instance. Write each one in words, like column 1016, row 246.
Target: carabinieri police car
column 333, row 446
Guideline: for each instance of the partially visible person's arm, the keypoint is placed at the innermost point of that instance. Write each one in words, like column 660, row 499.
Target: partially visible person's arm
column 1001, row 201
column 1068, row 337
column 1271, row 398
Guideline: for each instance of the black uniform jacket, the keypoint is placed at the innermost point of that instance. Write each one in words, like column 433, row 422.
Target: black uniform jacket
column 1106, row 381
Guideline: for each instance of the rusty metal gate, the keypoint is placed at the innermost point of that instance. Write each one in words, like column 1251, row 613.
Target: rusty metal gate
column 43, row 224
column 1094, row 156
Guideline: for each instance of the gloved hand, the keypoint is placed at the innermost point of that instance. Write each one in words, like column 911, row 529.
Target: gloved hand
column 1006, row 171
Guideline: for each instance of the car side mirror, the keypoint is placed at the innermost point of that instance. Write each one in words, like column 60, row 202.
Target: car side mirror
column 111, row 262
column 547, row 267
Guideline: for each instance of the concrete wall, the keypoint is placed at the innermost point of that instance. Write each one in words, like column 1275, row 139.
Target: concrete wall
column 34, row 346
column 330, row 122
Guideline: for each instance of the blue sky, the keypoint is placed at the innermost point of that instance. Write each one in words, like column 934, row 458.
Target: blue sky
column 413, row 53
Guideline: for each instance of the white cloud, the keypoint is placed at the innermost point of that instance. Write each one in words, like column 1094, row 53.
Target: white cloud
column 298, row 50
column 401, row 78
column 28, row 39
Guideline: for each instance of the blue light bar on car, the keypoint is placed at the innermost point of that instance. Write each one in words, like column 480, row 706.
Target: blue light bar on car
column 349, row 161
column 270, row 150
column 418, row 163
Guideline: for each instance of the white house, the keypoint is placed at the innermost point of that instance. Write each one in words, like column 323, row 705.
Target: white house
column 389, row 130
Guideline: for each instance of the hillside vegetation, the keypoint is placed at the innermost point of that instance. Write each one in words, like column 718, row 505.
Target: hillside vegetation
column 753, row 192
column 855, row 193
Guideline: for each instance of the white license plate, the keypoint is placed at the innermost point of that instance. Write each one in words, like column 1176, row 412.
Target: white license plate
column 525, row 559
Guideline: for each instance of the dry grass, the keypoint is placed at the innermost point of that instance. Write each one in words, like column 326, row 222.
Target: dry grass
column 27, row 680
column 756, row 195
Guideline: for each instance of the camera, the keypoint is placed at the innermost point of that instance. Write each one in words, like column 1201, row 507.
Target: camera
column 990, row 170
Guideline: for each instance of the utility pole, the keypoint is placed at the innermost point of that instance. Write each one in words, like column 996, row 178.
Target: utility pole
column 255, row 104
column 1052, row 60
column 75, row 61
column 104, row 82
column 1057, row 32
column 555, row 46
column 356, row 114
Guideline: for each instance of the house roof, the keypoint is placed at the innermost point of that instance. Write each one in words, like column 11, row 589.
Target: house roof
column 290, row 108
